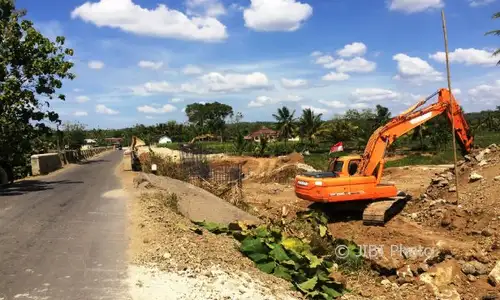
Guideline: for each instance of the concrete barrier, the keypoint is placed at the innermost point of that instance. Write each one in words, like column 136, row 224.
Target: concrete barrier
column 50, row 162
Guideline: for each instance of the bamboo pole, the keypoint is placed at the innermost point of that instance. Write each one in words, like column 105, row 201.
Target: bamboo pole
column 452, row 106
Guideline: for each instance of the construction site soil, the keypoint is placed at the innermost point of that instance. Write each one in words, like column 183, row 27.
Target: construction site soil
column 438, row 247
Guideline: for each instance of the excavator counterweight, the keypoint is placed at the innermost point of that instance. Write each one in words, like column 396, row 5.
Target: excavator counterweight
column 356, row 178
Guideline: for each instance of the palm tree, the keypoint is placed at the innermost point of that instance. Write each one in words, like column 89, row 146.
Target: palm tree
column 495, row 32
column 286, row 122
column 310, row 124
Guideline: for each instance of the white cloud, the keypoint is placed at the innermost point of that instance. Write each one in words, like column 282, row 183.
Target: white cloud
column 276, row 15
column 355, row 65
column 96, row 64
column 360, row 105
column 153, row 110
column 476, row 3
column 292, row 98
column 192, row 70
column 146, row 64
column 316, row 110
column 176, row 100
column 415, row 69
column 150, row 88
column 316, row 53
column 489, row 94
column 264, row 100
column 150, row 117
column 217, row 82
column 354, row 49
column 260, row 101
column 77, row 90
column 456, row 91
column 213, row 82
column 414, row 6
column 374, row 94
column 210, row 8
column 324, row 59
column 160, row 22
column 293, row 83
column 82, row 99
column 80, row 114
column 333, row 104
column 102, row 109
column 468, row 57
column 334, row 76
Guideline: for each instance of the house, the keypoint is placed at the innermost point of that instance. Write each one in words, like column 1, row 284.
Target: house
column 270, row 134
column 114, row 141
column 164, row 140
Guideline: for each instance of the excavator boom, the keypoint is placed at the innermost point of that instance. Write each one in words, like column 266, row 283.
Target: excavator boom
column 384, row 136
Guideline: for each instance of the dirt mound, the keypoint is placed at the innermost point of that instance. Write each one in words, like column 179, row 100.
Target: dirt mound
column 259, row 168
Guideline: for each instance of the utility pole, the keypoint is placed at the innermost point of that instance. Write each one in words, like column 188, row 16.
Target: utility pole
column 452, row 101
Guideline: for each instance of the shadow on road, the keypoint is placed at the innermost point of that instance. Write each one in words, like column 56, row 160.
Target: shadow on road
column 97, row 161
column 27, row 186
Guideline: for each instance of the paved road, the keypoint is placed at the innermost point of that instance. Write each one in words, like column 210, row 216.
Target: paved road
column 61, row 238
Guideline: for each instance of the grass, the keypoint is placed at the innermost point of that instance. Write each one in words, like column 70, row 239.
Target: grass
column 442, row 158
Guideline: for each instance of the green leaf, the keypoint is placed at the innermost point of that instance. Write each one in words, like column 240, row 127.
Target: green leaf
column 267, row 267
column 308, row 285
column 322, row 230
column 258, row 257
column 253, row 245
column 282, row 272
column 261, row 231
column 213, row 227
column 330, row 291
column 313, row 259
column 279, row 254
column 295, row 244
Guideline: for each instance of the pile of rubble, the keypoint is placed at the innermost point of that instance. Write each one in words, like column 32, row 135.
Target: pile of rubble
column 446, row 182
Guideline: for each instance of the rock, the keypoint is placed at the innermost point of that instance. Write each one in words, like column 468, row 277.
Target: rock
column 474, row 177
column 338, row 277
column 413, row 216
column 166, row 255
column 437, row 179
column 494, row 276
column 474, row 268
column 452, row 189
column 404, row 272
column 471, row 278
column 490, row 297
column 386, row 282
column 493, row 146
column 422, row 268
column 144, row 185
column 481, row 154
column 487, row 232
column 482, row 163
column 438, row 201
column 497, row 178
column 446, row 221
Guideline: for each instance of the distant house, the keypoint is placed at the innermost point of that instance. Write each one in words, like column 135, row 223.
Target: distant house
column 270, row 134
column 164, row 140
column 114, row 141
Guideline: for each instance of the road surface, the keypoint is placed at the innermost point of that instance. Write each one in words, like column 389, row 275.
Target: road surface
column 63, row 237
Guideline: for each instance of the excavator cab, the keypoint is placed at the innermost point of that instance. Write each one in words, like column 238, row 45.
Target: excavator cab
column 344, row 165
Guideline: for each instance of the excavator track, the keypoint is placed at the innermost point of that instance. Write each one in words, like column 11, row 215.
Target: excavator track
column 378, row 213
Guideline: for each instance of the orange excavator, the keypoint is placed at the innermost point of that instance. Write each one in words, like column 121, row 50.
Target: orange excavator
column 355, row 178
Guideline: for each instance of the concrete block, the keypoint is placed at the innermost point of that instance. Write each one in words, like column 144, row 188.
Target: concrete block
column 45, row 163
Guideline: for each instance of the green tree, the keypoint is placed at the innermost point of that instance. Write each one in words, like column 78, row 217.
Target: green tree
column 73, row 135
column 32, row 69
column 209, row 117
column 382, row 115
column 495, row 32
column 286, row 122
column 310, row 124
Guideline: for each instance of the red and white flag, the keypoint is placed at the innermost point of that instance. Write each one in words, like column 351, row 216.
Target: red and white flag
column 337, row 147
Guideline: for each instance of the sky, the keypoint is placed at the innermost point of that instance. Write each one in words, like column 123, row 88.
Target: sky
column 143, row 61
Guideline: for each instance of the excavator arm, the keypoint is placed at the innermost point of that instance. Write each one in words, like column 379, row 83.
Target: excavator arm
column 373, row 158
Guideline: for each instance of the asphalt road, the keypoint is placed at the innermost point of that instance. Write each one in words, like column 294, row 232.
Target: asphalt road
column 63, row 237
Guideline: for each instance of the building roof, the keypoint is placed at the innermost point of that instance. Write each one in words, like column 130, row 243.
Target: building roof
column 263, row 131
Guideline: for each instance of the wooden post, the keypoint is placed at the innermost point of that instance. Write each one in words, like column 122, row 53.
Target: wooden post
column 452, row 110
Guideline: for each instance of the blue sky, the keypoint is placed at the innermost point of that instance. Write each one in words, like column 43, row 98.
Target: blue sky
column 143, row 61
